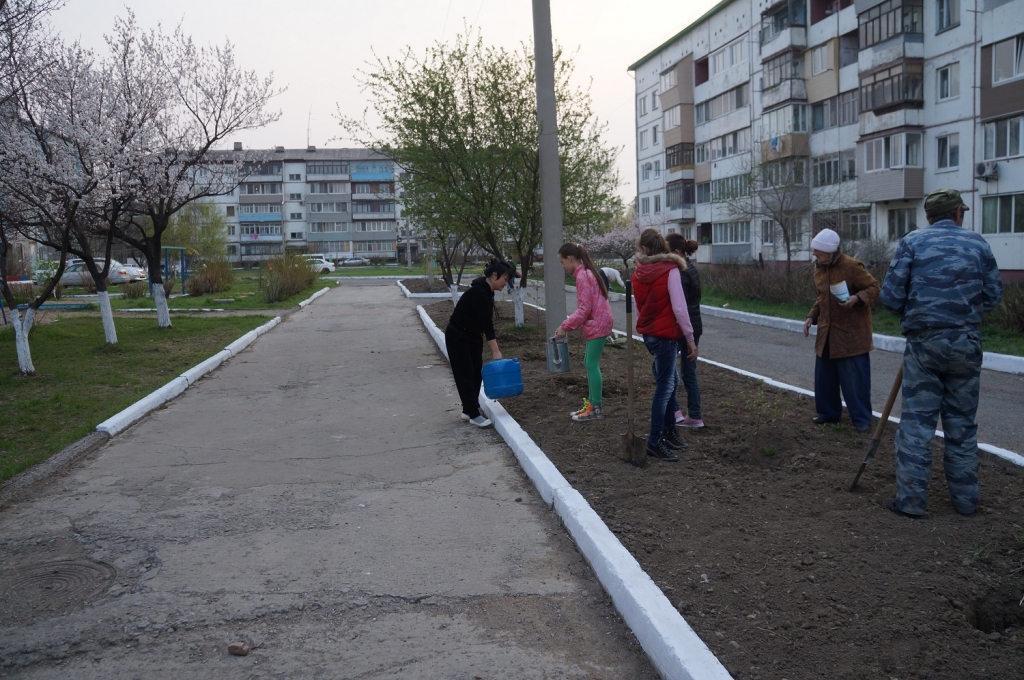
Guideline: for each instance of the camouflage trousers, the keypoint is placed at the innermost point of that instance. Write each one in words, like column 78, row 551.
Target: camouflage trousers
column 941, row 378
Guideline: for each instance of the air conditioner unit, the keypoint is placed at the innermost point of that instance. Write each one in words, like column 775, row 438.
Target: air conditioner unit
column 987, row 170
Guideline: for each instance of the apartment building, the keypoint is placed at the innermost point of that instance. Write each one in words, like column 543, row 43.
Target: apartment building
column 846, row 112
column 339, row 202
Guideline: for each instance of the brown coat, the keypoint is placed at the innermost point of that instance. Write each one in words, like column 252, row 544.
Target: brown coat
column 848, row 331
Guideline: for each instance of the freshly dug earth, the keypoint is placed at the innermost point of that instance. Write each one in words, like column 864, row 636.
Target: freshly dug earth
column 424, row 286
column 756, row 539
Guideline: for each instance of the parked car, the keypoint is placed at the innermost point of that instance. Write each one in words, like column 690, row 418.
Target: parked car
column 318, row 263
column 354, row 261
column 77, row 274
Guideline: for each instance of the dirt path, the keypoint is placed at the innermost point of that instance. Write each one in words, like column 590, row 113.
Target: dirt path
column 754, row 536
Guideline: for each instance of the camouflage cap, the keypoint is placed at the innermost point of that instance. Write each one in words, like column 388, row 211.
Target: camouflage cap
column 943, row 200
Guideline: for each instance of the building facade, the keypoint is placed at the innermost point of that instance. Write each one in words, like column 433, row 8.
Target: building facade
column 845, row 112
column 339, row 202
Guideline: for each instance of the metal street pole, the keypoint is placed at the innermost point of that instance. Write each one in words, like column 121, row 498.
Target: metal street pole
column 550, row 183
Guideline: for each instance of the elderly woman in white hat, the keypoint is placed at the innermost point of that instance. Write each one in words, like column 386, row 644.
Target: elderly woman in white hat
column 842, row 312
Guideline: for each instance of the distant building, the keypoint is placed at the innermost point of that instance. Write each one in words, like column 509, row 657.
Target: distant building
column 880, row 102
column 339, row 202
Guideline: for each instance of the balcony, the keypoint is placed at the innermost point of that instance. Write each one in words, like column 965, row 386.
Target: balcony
column 897, row 86
column 793, row 144
column 794, row 37
column 791, row 88
column 681, row 213
column 783, row 25
column 890, row 185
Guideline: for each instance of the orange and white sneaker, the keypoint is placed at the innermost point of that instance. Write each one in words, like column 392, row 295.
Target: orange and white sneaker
column 586, row 407
column 592, row 413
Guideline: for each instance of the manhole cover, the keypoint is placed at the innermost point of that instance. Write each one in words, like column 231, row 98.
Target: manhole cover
column 42, row 590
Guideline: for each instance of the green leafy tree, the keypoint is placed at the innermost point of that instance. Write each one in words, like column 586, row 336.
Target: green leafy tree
column 199, row 227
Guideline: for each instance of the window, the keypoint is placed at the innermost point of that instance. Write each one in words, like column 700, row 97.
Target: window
column 700, row 71
column 821, row 59
column 731, row 232
column 768, row 232
column 784, row 121
column 1002, row 138
column 679, row 194
column 330, row 188
column 295, row 216
column 657, row 170
column 727, row 57
column 259, row 188
column 825, row 170
column 645, row 206
column 295, row 234
column 295, row 178
column 327, row 227
column 947, row 14
column 856, row 225
column 848, row 164
column 679, row 154
column 230, row 210
column 368, row 188
column 374, row 246
column 897, row 151
column 374, row 226
column 643, row 139
column 703, row 192
column 901, row 222
column 729, row 188
column 643, row 106
column 949, row 81
column 256, row 249
column 889, row 19
column 788, row 66
column 1002, row 214
column 259, row 208
column 848, row 107
column 825, row 115
column 1008, row 59
column 294, row 197
column 330, row 246
column 645, row 171
column 776, row 21
column 654, row 135
column 654, row 101
column 368, row 207
column 669, row 79
column 261, row 168
column 327, row 168
column 949, row 151
column 783, row 173
column 258, row 229
column 898, row 84
column 339, row 206
column 727, row 102
column 672, row 117
column 657, row 204
column 724, row 146
column 231, row 230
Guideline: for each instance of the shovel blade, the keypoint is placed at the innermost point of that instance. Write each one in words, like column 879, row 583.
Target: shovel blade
column 634, row 450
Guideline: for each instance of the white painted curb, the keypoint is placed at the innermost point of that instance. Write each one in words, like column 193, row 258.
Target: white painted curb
column 154, row 400
column 312, row 297
column 1003, row 363
column 409, row 294
column 677, row 652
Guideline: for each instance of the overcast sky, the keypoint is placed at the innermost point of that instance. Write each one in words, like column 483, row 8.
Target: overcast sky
column 314, row 48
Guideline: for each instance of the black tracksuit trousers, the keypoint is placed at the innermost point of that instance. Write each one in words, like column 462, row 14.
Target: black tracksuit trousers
column 466, row 357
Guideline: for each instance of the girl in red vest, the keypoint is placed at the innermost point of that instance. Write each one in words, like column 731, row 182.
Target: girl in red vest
column 662, row 318
column 593, row 316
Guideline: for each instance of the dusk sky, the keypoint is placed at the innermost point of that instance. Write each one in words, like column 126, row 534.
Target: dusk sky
column 315, row 47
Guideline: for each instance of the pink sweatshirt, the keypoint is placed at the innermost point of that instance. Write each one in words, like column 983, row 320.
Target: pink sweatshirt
column 678, row 299
column 593, row 315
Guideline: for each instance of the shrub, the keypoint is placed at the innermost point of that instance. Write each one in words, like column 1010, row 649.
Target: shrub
column 288, row 274
column 1010, row 314
column 135, row 290
column 756, row 283
column 168, row 284
column 211, row 276
column 89, row 284
column 377, row 260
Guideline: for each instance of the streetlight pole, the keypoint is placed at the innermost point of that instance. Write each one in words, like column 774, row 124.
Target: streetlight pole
column 550, row 182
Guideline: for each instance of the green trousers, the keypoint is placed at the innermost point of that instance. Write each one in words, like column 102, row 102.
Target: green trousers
column 592, row 360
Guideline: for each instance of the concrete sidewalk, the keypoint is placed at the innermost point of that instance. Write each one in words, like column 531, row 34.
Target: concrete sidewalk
column 319, row 496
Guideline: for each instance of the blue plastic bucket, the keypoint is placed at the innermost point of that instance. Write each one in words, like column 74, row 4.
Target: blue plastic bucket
column 503, row 378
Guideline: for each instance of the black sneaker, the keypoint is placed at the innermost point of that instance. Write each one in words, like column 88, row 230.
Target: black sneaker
column 671, row 437
column 662, row 452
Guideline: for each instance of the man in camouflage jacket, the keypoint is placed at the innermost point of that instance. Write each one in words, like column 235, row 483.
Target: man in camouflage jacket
column 941, row 281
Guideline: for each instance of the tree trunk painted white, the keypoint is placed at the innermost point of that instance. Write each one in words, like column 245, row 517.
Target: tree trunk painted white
column 454, row 288
column 518, row 297
column 107, row 316
column 163, row 314
column 22, row 326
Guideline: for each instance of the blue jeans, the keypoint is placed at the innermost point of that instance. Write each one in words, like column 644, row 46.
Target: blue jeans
column 666, row 382
column 853, row 376
column 689, row 370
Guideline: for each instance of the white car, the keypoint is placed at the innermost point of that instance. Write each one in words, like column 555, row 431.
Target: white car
column 76, row 274
column 318, row 263
column 354, row 261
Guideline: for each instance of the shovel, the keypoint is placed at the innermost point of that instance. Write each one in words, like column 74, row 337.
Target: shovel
column 881, row 425
column 634, row 448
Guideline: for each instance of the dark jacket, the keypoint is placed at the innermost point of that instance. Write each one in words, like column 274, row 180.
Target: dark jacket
column 474, row 313
column 847, row 331
column 690, row 278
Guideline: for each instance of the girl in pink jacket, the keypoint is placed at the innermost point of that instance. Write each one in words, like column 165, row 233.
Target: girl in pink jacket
column 593, row 316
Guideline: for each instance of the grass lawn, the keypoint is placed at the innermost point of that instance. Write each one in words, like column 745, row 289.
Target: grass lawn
column 244, row 294
column 80, row 382
column 994, row 339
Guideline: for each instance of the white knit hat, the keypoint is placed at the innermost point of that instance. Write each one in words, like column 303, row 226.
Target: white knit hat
column 827, row 241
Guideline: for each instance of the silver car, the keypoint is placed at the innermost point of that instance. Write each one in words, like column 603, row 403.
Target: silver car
column 77, row 274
